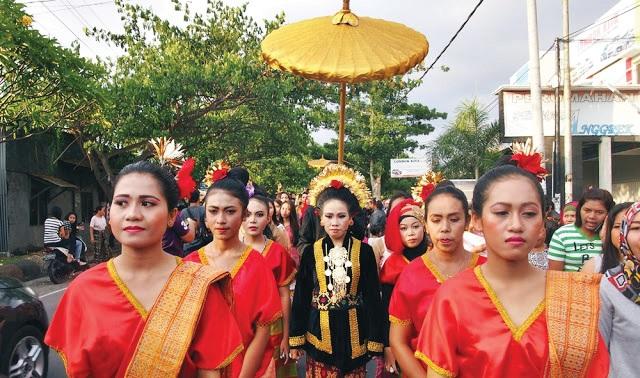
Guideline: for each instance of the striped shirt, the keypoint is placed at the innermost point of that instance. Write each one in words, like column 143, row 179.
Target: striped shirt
column 572, row 247
column 52, row 230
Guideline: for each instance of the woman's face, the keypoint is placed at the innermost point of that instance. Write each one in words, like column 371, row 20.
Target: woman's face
column 272, row 210
column 277, row 207
column 592, row 213
column 446, row 223
column 569, row 217
column 257, row 218
column 285, row 210
column 139, row 215
column 615, row 229
column 411, row 232
column 511, row 218
column 72, row 218
column 633, row 237
column 224, row 215
column 335, row 218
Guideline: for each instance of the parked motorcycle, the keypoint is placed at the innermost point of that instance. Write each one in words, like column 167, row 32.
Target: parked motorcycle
column 61, row 265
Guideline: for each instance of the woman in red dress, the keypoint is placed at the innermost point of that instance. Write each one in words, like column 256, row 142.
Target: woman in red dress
column 256, row 303
column 506, row 318
column 283, row 268
column 119, row 318
column 447, row 215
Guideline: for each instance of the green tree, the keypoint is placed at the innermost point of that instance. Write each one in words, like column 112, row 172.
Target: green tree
column 470, row 146
column 43, row 86
column 381, row 125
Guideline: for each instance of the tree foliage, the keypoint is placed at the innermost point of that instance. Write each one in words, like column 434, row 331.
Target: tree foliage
column 470, row 146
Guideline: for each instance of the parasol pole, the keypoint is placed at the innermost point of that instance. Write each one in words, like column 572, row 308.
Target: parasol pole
column 343, row 100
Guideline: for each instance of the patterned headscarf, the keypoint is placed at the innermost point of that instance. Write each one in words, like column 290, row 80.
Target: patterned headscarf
column 626, row 276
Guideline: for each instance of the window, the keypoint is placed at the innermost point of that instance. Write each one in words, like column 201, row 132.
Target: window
column 86, row 203
column 38, row 202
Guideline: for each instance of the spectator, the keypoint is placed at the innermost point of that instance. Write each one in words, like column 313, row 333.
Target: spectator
column 97, row 228
column 573, row 244
column 568, row 214
column 55, row 232
column 179, row 232
column 75, row 244
column 194, row 214
column 610, row 235
column 292, row 228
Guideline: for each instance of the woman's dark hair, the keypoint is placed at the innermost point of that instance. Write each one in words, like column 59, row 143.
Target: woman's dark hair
column 71, row 213
column 343, row 194
column 445, row 183
column 397, row 195
column 277, row 219
column 293, row 221
column 100, row 207
column 161, row 175
column 265, row 201
column 235, row 184
column 497, row 174
column 377, row 223
column 195, row 196
column 610, row 254
column 451, row 191
column 56, row 212
column 593, row 194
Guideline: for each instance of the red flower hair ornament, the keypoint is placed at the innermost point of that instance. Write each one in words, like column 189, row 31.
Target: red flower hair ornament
column 184, row 179
column 218, row 171
column 528, row 159
column 336, row 184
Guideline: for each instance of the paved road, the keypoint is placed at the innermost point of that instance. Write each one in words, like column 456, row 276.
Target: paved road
column 50, row 296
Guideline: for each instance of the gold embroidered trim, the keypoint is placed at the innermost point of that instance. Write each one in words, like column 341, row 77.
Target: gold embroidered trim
column 289, row 279
column 172, row 321
column 400, row 322
column 111, row 268
column 324, row 344
column 432, row 268
column 267, row 248
column 296, row 341
column 573, row 302
column 268, row 323
column 65, row 363
column 357, row 349
column 355, row 265
column 230, row 358
column 516, row 332
column 203, row 257
column 375, row 347
column 241, row 261
column 433, row 366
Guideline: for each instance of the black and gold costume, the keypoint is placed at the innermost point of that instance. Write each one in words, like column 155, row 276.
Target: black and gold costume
column 343, row 334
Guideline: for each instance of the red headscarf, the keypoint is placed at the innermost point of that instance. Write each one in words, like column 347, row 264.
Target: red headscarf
column 396, row 262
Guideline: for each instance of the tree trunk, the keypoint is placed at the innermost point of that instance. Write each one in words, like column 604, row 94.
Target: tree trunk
column 376, row 182
column 476, row 171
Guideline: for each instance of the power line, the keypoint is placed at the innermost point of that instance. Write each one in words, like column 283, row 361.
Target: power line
column 593, row 25
column 66, row 8
column 69, row 29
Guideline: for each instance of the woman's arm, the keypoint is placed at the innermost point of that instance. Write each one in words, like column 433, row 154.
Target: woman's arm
column 285, row 299
column 255, row 352
column 400, row 338
column 606, row 312
column 209, row 374
column 433, row 374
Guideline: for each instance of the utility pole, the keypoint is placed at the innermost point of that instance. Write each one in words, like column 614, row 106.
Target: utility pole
column 558, row 182
column 534, row 77
column 566, row 99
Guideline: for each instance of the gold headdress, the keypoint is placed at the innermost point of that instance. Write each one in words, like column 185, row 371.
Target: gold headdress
column 217, row 171
column 337, row 176
column 168, row 152
column 426, row 185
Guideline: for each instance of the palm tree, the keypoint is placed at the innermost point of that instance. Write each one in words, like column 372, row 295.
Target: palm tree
column 470, row 146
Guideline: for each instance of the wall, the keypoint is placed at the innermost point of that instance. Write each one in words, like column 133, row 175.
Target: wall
column 626, row 178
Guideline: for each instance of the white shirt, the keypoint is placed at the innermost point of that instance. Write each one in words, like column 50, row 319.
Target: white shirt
column 98, row 223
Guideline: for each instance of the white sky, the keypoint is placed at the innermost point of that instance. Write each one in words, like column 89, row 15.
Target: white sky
column 486, row 53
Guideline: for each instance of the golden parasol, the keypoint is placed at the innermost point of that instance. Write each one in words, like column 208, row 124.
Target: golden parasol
column 319, row 163
column 344, row 49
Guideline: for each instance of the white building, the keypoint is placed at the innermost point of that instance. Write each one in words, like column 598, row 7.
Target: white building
column 605, row 103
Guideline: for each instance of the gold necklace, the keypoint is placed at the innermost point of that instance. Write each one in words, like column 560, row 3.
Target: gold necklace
column 439, row 265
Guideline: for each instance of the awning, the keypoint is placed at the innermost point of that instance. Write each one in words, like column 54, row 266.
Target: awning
column 54, row 180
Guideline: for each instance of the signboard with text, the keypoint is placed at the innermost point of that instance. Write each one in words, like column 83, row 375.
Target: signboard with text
column 596, row 112
column 401, row 168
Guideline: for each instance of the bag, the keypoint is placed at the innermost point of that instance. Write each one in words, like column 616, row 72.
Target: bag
column 203, row 235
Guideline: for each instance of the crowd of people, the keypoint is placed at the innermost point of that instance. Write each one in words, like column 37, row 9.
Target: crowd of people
column 243, row 284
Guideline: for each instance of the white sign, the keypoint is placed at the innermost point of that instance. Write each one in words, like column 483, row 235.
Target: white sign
column 597, row 112
column 409, row 167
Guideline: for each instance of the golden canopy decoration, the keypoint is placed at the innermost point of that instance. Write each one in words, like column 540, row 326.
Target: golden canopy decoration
column 319, row 163
column 338, row 175
column 344, row 49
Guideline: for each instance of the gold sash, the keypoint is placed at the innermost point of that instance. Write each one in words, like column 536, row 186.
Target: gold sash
column 170, row 326
column 572, row 305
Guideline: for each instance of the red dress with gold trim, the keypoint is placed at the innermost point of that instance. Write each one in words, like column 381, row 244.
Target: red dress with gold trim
column 280, row 263
column 414, row 292
column 256, row 301
column 98, row 323
column 468, row 333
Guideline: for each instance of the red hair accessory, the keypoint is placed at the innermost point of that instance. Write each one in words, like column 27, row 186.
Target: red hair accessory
column 528, row 159
column 336, row 184
column 426, row 191
column 186, row 183
column 218, row 171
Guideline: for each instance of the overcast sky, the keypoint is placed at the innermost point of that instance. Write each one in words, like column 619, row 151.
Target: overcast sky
column 486, row 53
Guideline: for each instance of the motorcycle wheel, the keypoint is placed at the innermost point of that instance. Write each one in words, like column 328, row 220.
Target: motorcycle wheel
column 58, row 272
